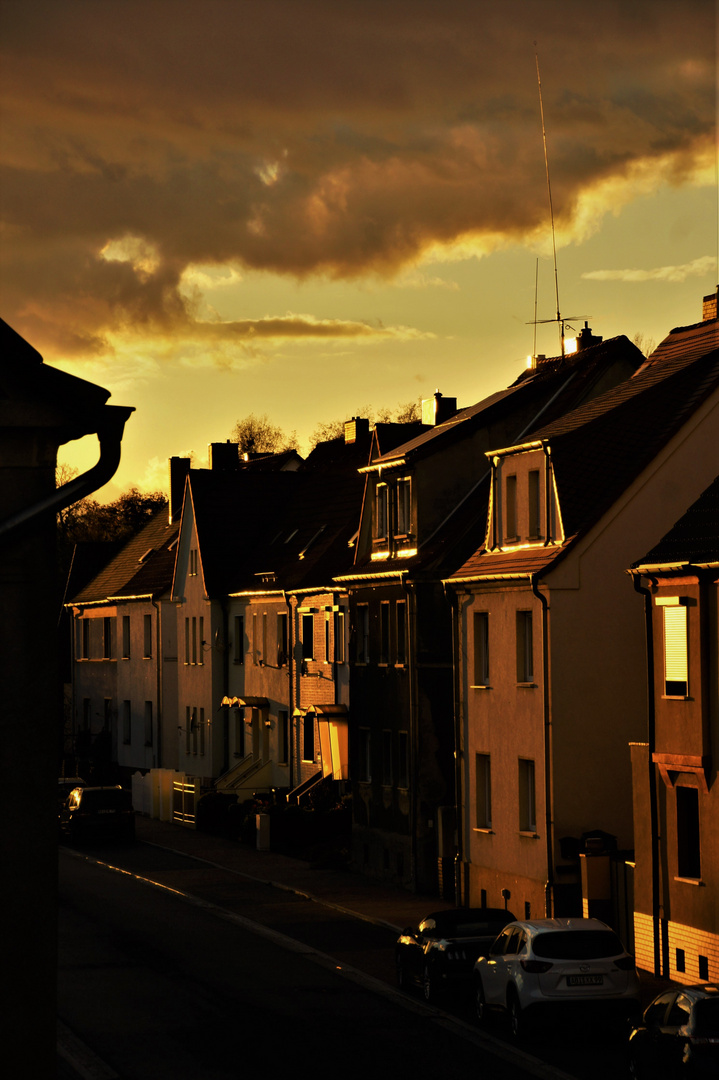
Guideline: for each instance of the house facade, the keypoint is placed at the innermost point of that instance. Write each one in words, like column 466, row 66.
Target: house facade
column 674, row 770
column 550, row 685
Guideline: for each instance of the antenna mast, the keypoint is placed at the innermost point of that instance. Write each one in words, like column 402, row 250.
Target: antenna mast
column 551, row 207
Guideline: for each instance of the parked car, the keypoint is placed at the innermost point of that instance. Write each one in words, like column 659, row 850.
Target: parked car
column 544, row 964
column 98, row 813
column 442, row 950
column 678, row 1035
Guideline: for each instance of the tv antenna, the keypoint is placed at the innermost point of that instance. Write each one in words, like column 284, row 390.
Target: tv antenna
column 561, row 322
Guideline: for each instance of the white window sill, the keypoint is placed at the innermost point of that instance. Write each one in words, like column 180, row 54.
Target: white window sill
column 480, row 686
column 690, row 881
column 486, row 832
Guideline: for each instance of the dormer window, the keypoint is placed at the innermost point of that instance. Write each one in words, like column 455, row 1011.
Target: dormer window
column 404, row 506
column 510, row 516
column 381, row 514
column 676, row 654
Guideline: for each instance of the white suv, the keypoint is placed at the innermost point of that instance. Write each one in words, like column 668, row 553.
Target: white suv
column 555, row 962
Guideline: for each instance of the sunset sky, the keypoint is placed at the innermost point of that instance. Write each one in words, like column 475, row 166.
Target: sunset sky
column 307, row 207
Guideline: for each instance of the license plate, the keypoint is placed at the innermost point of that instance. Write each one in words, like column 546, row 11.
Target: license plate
column 585, row 980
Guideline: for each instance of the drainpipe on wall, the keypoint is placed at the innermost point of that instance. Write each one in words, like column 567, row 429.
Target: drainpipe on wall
column 158, row 753
column 548, row 822
column 651, row 740
column 411, row 639
column 453, row 602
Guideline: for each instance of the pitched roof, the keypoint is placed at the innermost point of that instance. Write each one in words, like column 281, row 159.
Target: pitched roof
column 143, row 567
column 572, row 375
column 601, row 447
column 693, row 540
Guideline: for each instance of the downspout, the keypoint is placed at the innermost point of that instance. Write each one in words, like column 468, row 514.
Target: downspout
column 548, row 822
column 651, row 740
column 160, row 696
column 412, row 636
column 110, row 438
column 453, row 602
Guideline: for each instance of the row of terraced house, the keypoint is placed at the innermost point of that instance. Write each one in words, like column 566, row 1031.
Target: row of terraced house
column 495, row 628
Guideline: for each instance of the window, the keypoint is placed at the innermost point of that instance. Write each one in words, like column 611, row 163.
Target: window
column 340, row 637
column 527, row 807
column 387, row 758
column 308, row 637
column 126, row 637
column 675, row 651
column 126, row 723
column 282, row 644
column 193, row 562
column 148, row 723
column 481, row 648
column 188, row 729
column 264, row 638
column 380, row 512
column 187, row 641
column 194, row 639
column 362, row 634
column 533, row 499
column 404, row 506
column 308, row 737
column 255, row 641
column 147, row 636
column 403, row 760
column 384, row 633
column 525, row 647
column 328, row 644
column 401, row 635
column 363, row 758
column 688, row 846
column 201, row 647
column 483, row 783
column 107, row 638
column 284, row 737
column 239, row 641
column 511, row 508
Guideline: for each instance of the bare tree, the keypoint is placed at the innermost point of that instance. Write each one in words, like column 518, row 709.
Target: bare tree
column 256, row 435
column 646, row 345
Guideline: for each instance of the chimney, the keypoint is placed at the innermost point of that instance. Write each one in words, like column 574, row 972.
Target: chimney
column 437, row 409
column 179, row 470
column 585, row 338
column 709, row 307
column 356, row 430
column 223, row 455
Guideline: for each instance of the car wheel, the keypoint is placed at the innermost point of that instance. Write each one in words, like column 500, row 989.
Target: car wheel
column 480, row 1005
column 428, row 986
column 516, row 1018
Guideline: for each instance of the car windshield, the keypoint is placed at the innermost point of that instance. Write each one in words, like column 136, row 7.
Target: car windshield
column 706, row 1018
column 110, row 799
column 577, row 945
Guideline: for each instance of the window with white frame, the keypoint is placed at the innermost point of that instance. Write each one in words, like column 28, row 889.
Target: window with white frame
column 527, row 796
column 483, row 791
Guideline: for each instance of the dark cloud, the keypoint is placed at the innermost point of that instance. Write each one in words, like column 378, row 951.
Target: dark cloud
column 314, row 137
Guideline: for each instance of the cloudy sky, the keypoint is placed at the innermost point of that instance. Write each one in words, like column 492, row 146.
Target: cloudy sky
column 307, row 207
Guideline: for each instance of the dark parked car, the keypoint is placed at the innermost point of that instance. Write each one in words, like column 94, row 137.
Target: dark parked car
column 678, row 1035
column 98, row 813
column 442, row 950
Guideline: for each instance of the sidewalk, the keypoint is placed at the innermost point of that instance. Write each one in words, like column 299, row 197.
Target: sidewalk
column 376, row 901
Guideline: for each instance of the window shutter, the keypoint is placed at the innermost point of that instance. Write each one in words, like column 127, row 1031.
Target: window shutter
column 675, row 644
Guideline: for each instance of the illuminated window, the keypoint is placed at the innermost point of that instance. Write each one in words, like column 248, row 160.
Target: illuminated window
column 483, row 799
column 675, row 651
